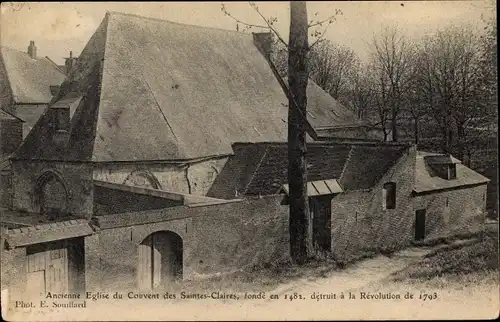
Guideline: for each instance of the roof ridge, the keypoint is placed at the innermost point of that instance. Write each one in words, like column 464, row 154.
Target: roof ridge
column 23, row 52
column 112, row 12
column 244, row 192
column 55, row 65
column 351, row 152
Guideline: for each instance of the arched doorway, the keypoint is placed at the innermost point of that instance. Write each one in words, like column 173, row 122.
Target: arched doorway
column 52, row 196
column 160, row 260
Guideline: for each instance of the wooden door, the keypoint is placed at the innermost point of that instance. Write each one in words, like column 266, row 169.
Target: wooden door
column 420, row 224
column 35, row 284
column 47, row 270
column 145, row 265
column 57, row 270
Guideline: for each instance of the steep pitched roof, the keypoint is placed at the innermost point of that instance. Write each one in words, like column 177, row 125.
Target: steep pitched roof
column 157, row 90
column 262, row 168
column 29, row 78
column 427, row 181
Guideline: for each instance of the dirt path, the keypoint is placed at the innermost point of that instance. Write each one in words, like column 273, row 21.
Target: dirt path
column 370, row 275
column 359, row 274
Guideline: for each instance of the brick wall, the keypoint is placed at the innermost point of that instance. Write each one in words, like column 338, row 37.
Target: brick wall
column 194, row 178
column 464, row 213
column 76, row 176
column 216, row 239
column 360, row 223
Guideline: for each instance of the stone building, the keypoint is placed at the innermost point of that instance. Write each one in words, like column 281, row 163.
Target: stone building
column 163, row 157
column 27, row 85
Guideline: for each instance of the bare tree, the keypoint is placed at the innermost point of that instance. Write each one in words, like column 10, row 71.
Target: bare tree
column 452, row 78
column 391, row 56
column 331, row 66
column 358, row 94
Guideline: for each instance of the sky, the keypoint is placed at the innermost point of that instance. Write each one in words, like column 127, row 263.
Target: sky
column 58, row 27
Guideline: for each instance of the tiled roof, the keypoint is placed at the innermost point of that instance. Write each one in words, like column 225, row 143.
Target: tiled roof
column 157, row 90
column 368, row 163
column 355, row 166
column 426, row 181
column 48, row 232
column 30, row 79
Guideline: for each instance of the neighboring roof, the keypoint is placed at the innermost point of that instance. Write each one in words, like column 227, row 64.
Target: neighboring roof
column 426, row 181
column 30, row 114
column 319, row 187
column 4, row 115
column 30, row 79
column 158, row 90
column 262, row 168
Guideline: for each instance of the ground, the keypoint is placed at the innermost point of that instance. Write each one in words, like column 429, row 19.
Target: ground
column 454, row 280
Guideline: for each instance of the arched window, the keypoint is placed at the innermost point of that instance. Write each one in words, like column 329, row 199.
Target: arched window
column 52, row 196
column 389, row 195
column 143, row 179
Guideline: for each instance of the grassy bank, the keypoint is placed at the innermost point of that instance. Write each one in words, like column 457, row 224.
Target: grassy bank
column 463, row 264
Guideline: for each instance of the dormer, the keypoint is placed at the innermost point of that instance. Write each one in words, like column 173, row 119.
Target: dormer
column 443, row 166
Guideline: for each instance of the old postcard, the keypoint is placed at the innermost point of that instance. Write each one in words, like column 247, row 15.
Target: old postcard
column 249, row 161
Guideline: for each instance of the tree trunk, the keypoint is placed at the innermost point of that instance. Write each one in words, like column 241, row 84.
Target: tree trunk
column 394, row 126
column 461, row 142
column 298, row 74
column 416, row 131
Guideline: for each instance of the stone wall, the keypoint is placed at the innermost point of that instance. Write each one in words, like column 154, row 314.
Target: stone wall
column 453, row 212
column 77, row 178
column 217, row 239
column 193, row 178
column 361, row 224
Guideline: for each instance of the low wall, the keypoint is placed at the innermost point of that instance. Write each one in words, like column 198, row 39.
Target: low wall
column 114, row 201
column 217, row 239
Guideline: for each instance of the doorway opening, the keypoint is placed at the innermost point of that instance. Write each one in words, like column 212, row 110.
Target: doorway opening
column 420, row 224
column 321, row 212
column 160, row 260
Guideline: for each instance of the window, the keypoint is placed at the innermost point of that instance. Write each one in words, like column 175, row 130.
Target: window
column 452, row 171
column 389, row 195
column 62, row 119
column 447, row 202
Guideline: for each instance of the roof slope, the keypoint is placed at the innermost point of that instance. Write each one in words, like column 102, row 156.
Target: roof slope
column 30, row 79
column 367, row 164
column 168, row 91
column 262, row 168
column 426, row 181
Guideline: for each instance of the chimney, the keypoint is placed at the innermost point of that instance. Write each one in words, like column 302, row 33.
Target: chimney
column 32, row 49
column 69, row 62
column 263, row 41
